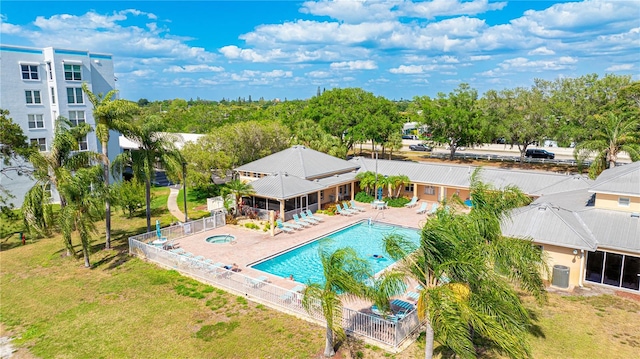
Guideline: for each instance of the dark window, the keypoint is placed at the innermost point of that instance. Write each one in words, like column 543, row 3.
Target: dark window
column 29, row 72
column 612, row 269
column 73, row 72
column 33, row 96
column 74, row 95
column 630, row 276
column 594, row 267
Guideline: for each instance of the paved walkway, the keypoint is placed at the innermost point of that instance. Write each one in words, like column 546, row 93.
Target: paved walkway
column 172, row 203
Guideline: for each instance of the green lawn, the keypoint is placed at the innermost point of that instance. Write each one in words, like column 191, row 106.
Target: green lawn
column 125, row 307
column 196, row 208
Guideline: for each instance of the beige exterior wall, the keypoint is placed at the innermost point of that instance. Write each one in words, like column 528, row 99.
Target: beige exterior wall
column 427, row 197
column 610, row 201
column 564, row 256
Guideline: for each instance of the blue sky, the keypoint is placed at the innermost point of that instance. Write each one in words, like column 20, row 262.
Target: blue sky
column 287, row 49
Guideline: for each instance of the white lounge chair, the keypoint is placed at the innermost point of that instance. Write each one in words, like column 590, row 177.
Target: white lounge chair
column 300, row 221
column 434, row 209
column 413, row 202
column 352, row 207
column 342, row 212
column 311, row 215
column 257, row 282
column 423, row 208
column 288, row 225
column 304, row 217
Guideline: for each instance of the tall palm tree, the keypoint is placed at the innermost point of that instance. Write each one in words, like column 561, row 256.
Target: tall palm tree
column 345, row 274
column 155, row 148
column 467, row 272
column 396, row 183
column 84, row 205
column 239, row 189
column 109, row 114
column 48, row 172
column 614, row 133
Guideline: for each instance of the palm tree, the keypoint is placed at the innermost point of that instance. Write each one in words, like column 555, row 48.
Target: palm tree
column 154, row 148
column 84, row 204
column 48, row 172
column 345, row 274
column 367, row 181
column 396, row 183
column 239, row 189
column 467, row 271
column 109, row 114
column 615, row 133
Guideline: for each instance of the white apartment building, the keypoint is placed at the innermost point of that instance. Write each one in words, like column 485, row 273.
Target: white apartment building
column 39, row 85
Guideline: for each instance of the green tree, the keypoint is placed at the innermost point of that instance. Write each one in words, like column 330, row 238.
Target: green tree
column 130, row 196
column 110, row 115
column 467, row 271
column 84, row 205
column 455, row 118
column 345, row 274
column 521, row 116
column 49, row 170
column 611, row 134
column 396, row 184
column 238, row 189
column 367, row 181
column 154, row 148
column 14, row 149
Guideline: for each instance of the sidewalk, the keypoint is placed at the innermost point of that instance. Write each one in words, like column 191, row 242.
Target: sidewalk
column 172, row 203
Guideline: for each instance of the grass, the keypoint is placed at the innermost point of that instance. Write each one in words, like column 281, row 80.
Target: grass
column 125, row 307
column 197, row 208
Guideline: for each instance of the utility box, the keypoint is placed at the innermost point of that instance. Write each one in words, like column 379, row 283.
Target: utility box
column 560, row 276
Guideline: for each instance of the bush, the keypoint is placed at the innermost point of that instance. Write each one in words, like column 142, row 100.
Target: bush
column 266, row 227
column 230, row 219
column 251, row 225
column 330, row 209
column 396, row 202
column 363, row 197
column 129, row 196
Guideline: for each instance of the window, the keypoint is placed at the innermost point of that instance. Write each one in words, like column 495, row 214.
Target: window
column 33, row 96
column 74, row 95
column 408, row 188
column 624, row 201
column 83, row 144
column 53, row 96
column 41, row 143
column 29, row 72
column 73, row 72
column 35, row 121
column 430, row 190
column 76, row 117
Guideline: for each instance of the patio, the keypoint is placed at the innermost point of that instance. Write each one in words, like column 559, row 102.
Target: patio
column 252, row 246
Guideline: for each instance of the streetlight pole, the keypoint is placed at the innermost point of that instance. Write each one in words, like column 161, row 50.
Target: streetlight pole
column 184, row 189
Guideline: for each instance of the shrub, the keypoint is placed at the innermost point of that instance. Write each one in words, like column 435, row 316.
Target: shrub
column 363, row 197
column 130, row 196
column 396, row 202
column 266, row 227
column 251, row 225
column 330, row 209
column 230, row 219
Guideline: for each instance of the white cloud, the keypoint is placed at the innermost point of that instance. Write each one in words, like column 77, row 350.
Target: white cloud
column 407, row 69
column 193, row 68
column 142, row 73
column 621, row 67
column 524, row 64
column 541, row 51
column 354, row 65
column 319, row 74
column 479, row 57
column 435, row 8
column 351, row 11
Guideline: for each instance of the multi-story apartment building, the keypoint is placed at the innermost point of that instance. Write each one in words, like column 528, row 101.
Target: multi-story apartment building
column 39, row 85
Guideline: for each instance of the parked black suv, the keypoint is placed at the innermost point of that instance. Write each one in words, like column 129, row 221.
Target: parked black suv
column 539, row 153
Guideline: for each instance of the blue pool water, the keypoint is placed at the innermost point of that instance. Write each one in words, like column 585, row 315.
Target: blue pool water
column 304, row 262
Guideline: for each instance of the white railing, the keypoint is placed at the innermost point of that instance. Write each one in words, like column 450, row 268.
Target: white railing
column 388, row 332
column 184, row 229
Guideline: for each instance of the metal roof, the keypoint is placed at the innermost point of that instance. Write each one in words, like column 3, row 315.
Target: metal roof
column 283, row 186
column 547, row 224
column 619, row 180
column 530, row 182
column 613, row 229
column 577, row 200
column 335, row 180
column 301, row 162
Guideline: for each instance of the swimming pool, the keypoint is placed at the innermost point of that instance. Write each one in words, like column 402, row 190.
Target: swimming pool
column 304, row 262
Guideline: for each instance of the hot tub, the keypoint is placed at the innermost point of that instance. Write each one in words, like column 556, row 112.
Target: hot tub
column 221, row 238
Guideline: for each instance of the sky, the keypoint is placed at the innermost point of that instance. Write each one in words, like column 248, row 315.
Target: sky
column 398, row 49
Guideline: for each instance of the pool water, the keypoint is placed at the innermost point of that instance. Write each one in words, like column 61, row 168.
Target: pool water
column 221, row 238
column 304, row 262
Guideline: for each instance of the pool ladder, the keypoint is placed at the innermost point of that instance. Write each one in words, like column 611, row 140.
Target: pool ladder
column 375, row 217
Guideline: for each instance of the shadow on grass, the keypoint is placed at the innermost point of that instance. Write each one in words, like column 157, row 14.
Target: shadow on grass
column 120, row 248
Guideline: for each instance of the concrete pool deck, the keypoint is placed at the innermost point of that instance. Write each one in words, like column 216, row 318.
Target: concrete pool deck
column 252, row 245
